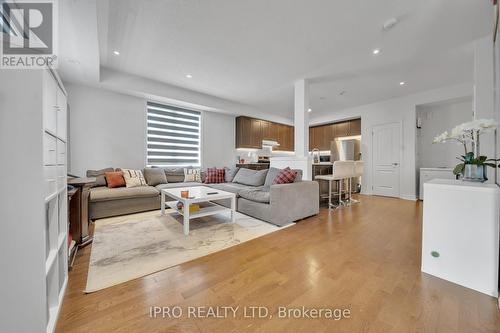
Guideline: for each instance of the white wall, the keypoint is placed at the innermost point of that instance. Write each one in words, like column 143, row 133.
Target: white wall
column 395, row 110
column 437, row 118
column 107, row 129
column 218, row 140
column 484, row 92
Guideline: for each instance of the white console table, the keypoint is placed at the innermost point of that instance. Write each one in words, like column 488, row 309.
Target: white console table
column 460, row 235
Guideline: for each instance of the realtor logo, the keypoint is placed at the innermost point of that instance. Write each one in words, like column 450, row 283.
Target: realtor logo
column 27, row 30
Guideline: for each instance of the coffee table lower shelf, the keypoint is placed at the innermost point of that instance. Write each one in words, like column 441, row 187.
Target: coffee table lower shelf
column 206, row 209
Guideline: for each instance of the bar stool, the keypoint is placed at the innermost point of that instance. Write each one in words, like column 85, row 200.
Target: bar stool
column 358, row 173
column 344, row 171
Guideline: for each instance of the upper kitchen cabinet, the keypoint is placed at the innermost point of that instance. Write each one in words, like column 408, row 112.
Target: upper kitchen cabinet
column 355, row 127
column 250, row 132
column 342, row 129
column 245, row 132
column 321, row 136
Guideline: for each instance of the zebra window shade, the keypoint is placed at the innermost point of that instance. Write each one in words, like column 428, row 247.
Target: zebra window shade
column 173, row 136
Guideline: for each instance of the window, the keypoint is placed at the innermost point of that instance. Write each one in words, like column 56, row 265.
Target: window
column 173, row 136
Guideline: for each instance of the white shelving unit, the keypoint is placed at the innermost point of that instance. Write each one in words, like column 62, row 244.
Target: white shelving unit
column 33, row 199
column 56, row 203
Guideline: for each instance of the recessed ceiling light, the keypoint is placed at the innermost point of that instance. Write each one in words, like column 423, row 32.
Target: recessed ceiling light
column 309, row 110
column 189, row 76
column 376, row 51
column 116, row 52
column 402, row 83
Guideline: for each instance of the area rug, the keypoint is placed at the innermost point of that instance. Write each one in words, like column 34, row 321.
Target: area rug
column 132, row 246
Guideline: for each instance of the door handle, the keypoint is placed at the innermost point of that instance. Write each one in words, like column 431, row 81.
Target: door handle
column 395, row 164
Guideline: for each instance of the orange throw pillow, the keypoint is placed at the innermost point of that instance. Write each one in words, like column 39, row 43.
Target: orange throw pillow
column 115, row 179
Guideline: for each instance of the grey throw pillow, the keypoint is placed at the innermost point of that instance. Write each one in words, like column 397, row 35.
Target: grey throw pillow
column 250, row 177
column 229, row 174
column 175, row 175
column 155, row 176
column 273, row 172
column 99, row 176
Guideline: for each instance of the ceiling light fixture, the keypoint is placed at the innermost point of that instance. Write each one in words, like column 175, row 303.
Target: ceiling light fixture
column 376, row 51
column 402, row 83
column 116, row 52
column 309, row 110
column 189, row 76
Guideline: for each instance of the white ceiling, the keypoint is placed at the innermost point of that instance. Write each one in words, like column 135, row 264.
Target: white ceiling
column 251, row 52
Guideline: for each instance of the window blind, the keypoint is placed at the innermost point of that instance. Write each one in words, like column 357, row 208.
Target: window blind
column 173, row 137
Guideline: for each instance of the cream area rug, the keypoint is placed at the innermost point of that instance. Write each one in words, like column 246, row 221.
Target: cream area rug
column 128, row 247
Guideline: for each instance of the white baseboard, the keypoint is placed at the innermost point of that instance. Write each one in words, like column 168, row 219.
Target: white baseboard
column 408, row 197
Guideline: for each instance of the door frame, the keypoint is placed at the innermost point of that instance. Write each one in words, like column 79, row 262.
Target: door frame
column 401, row 151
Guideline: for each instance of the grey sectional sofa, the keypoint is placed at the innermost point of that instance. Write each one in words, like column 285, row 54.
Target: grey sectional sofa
column 256, row 196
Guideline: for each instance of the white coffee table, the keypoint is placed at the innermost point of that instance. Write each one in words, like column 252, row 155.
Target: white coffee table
column 202, row 195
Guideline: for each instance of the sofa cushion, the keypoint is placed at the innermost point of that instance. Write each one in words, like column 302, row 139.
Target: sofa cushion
column 134, row 178
column 250, row 177
column 102, row 193
column 115, row 179
column 177, row 185
column 273, row 172
column 230, row 187
column 155, row 176
column 285, row 176
column 99, row 175
column 214, row 176
column 229, row 173
column 174, row 175
column 192, row 175
column 257, row 195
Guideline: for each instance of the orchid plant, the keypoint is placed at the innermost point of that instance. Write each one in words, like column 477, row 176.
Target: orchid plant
column 467, row 134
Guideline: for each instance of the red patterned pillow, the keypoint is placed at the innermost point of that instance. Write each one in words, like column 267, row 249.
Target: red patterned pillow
column 214, row 176
column 285, row 176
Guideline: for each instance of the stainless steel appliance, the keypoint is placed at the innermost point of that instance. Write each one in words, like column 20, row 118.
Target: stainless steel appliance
column 345, row 150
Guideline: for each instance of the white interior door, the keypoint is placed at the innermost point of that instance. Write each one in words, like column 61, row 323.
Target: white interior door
column 386, row 159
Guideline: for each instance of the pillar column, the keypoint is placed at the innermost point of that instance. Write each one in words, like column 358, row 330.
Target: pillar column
column 301, row 118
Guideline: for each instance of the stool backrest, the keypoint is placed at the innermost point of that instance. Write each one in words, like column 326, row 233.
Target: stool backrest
column 359, row 168
column 343, row 169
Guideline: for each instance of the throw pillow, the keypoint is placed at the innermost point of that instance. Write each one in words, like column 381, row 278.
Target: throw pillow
column 271, row 174
column 214, row 176
column 174, row 175
column 115, row 179
column 285, row 176
column 192, row 175
column 155, row 176
column 250, row 177
column 229, row 173
column 133, row 178
column 100, row 179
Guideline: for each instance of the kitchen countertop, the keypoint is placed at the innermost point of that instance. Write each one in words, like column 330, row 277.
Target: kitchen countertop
column 323, row 163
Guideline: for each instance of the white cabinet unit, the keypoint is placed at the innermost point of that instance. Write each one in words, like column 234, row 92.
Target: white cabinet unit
column 460, row 236
column 33, row 199
column 428, row 174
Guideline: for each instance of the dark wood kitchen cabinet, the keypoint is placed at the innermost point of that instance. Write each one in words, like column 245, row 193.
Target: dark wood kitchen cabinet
column 251, row 131
column 321, row 136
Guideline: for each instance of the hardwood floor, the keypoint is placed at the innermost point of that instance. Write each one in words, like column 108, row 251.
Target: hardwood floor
column 365, row 258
